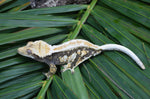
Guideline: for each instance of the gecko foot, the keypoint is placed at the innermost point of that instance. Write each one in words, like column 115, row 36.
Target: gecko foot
column 66, row 68
column 48, row 75
column 63, row 70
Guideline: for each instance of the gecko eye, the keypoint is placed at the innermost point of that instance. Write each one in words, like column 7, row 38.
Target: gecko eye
column 29, row 51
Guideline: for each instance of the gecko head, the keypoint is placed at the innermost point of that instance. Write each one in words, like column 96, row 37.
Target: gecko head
column 38, row 48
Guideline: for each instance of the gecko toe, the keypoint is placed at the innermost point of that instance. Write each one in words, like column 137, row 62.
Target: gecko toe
column 72, row 71
column 48, row 75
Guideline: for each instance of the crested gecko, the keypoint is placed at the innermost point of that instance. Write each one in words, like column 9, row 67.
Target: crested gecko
column 69, row 54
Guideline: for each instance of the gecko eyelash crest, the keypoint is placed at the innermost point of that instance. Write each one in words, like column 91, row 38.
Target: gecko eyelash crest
column 69, row 54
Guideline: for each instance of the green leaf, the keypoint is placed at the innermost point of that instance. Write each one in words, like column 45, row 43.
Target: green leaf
column 12, row 61
column 53, row 10
column 44, row 88
column 62, row 89
column 136, row 11
column 75, row 82
column 27, row 34
column 96, row 84
column 4, row 1
column 17, row 3
column 34, row 21
column 130, row 25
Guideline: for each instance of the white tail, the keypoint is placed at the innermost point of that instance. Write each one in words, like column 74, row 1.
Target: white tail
column 124, row 50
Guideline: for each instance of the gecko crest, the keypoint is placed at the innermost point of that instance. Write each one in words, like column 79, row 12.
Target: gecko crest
column 39, row 48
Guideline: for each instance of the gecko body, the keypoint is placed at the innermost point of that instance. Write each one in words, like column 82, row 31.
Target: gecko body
column 69, row 54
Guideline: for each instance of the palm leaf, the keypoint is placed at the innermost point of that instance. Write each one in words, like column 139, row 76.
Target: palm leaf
column 108, row 75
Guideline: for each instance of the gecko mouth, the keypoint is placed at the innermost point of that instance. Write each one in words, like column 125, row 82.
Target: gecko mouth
column 20, row 50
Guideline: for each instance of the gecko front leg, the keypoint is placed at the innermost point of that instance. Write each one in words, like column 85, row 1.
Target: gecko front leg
column 52, row 70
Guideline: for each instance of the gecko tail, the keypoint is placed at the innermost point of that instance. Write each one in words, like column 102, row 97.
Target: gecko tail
column 124, row 50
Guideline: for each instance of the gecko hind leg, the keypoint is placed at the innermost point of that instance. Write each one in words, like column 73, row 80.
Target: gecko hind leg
column 68, row 67
column 72, row 65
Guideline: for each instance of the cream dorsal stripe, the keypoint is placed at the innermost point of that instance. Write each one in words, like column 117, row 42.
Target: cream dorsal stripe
column 72, row 44
column 123, row 49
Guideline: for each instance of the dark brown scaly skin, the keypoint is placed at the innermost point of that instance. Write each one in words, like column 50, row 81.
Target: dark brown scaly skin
column 81, row 53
